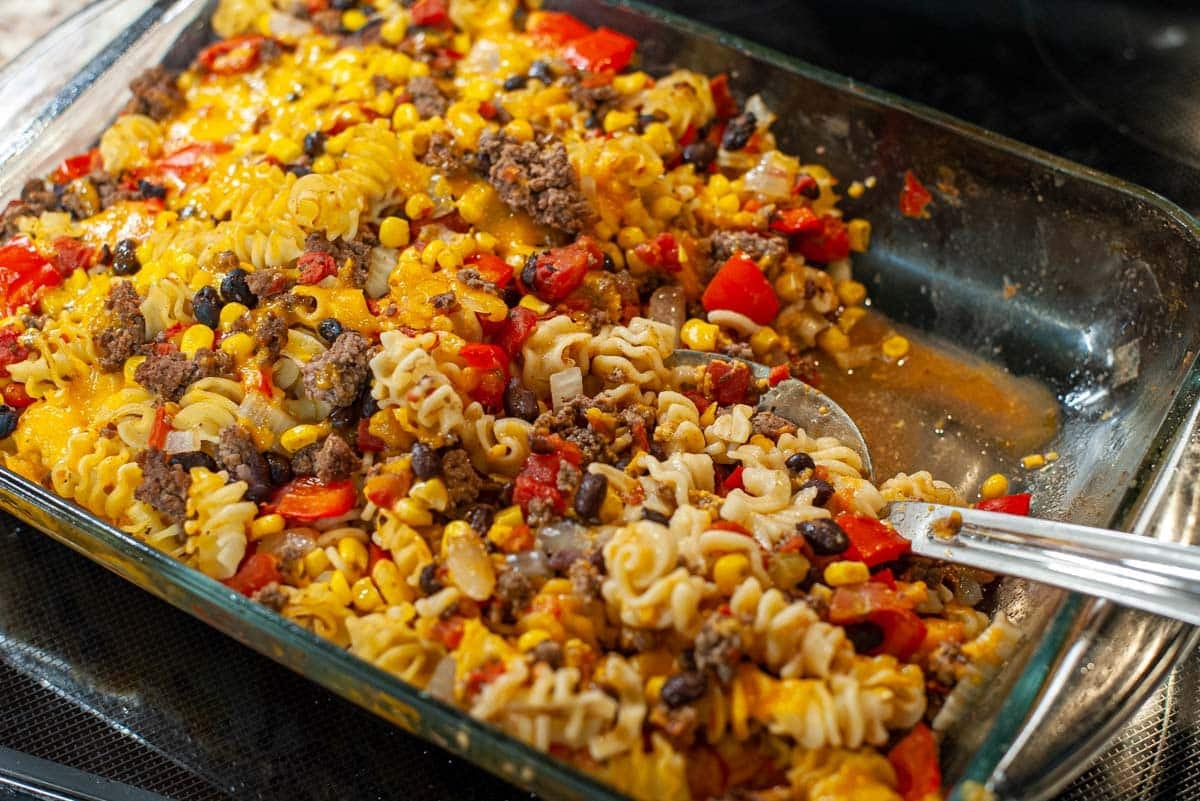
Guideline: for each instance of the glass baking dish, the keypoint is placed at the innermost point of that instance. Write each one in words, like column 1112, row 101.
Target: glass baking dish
column 1044, row 267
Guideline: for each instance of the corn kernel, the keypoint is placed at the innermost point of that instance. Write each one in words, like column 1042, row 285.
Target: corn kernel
column 729, row 571
column 659, row 137
column 718, row 184
column 432, row 493
column 240, row 345
column 324, row 164
column 611, row 508
column 285, row 151
column 405, row 116
column 1033, row 461
column 856, row 189
column 365, row 596
column 895, row 347
column 832, row 340
column 532, row 639
column 762, row 442
column 630, row 83
column 393, row 232
column 266, row 525
column 535, row 304
column 315, row 563
column 353, row 555
column 1052, row 456
column 849, row 317
column 994, row 486
column 418, row 205
column 859, row 233
column 131, row 366
column 709, row 415
column 449, row 260
column 699, row 335
column 654, row 687
column 231, row 313
column 616, row 120
column 394, row 30
column 412, row 512
column 520, row 130
column 665, row 207
column 474, row 204
column 630, row 237
column 762, row 340
column 391, row 586
column 194, row 338
column 729, row 203
column 300, row 436
column 851, row 293
column 840, row 574
column 789, row 287
column 339, row 585
column 353, row 19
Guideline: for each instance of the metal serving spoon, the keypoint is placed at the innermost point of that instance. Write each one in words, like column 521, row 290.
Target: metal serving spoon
column 1130, row 570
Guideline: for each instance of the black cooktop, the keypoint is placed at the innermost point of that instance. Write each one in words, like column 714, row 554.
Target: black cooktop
column 197, row 717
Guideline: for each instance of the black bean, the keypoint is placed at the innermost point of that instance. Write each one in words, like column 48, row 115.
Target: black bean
column 865, row 636
column 479, row 517
column 515, row 82
column 700, row 154
column 799, row 462
column 824, row 536
column 314, row 144
column 739, row 131
column 683, row 688
column 368, row 405
column 8, row 420
column 644, row 120
column 590, row 495
column 655, row 516
column 520, row 401
column 329, row 329
column 425, row 461
column 824, row 490
column 810, row 189
column 125, row 260
column 149, row 189
column 592, row 121
column 540, row 70
column 428, row 581
column 279, row 467
column 234, row 289
column 105, row 255
column 511, row 296
column 610, row 266
column 195, row 459
column 529, row 273
column 206, row 307
column 298, row 170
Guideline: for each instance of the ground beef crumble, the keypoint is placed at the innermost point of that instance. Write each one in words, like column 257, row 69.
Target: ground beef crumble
column 424, row 94
column 718, row 647
column 723, row 244
column 535, row 177
column 356, row 251
column 125, row 333
column 585, row 579
column 771, row 425
column 334, row 460
column 272, row 597
column 336, row 376
column 167, row 375
column 164, row 485
column 443, row 155
column 238, row 455
column 463, row 482
column 271, row 333
column 266, row 283
column 155, row 94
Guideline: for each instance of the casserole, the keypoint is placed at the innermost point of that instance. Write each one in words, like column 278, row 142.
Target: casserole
column 884, row 140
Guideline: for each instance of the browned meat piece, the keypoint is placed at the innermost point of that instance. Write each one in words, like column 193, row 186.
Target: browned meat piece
column 471, row 277
column 724, row 244
column 168, row 375
column 593, row 98
column 126, row 332
column 443, row 156
column 109, row 188
column 155, row 94
column 39, row 197
column 272, row 333
column 771, row 425
column 214, row 363
column 272, row 597
column 548, row 651
column 718, row 647
column 513, row 592
column 570, row 422
column 334, row 460
column 266, row 283
column 328, row 21
column 463, row 483
column 304, row 461
column 424, row 93
column 535, row 177
column 164, row 485
column 239, row 456
column 357, row 251
column 585, row 579
column 336, row 376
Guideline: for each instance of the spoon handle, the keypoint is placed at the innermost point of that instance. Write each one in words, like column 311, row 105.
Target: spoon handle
column 1130, row 570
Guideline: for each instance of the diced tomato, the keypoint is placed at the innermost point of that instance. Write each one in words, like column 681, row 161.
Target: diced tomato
column 491, row 268
column 1017, row 504
column 914, row 197
column 484, row 357
column 159, row 429
column 779, row 374
column 489, row 364
column 730, row 381
column 16, row 396
column 797, row 220
column 256, row 572
column 315, row 267
column 539, row 479
column 24, row 272
column 734, row 481
column 448, row 632
column 903, row 632
column 541, row 467
column 309, row 499
column 741, row 287
column 695, row 397
column 853, row 603
column 885, row 577
column 232, row 56
column 385, row 489
column 722, row 98
column 487, row 110
column 189, row 164
column 871, row 541
column 77, row 167
column 517, row 327
column 484, row 675
column 368, row 442
column 70, row 254
column 661, row 252
column 556, row 27
column 806, row 185
column 602, row 50
column 915, row 760
column 559, row 271
column 11, row 349
column 565, row 449
column 830, row 243
column 430, row 13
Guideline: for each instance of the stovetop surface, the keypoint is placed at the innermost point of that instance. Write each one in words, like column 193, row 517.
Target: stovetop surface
column 97, row 675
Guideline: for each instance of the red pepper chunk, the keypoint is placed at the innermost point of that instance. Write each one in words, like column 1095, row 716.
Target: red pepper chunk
column 602, row 50
column 309, row 499
column 798, row 220
column 915, row 760
column 914, row 197
column 24, row 272
column 517, row 327
column 232, row 56
column 16, row 396
column 315, row 267
column 430, row 13
column 159, row 429
column 256, row 572
column 1017, row 504
column 729, row 381
column 740, row 286
column 734, row 481
column 830, row 243
column 559, row 272
column 870, row 540
column 903, row 632
column 557, row 27
column 76, row 167
column 491, row 268
column 11, row 349
column 661, row 252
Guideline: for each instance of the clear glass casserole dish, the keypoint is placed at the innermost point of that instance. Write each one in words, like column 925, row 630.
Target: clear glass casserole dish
column 1107, row 278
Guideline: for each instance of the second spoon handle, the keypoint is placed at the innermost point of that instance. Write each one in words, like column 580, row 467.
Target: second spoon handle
column 1152, row 575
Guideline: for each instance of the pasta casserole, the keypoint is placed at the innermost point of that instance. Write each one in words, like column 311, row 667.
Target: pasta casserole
column 369, row 314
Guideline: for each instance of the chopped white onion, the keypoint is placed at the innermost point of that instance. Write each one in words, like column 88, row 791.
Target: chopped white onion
column 383, row 261
column 530, row 564
column 668, row 305
column 763, row 116
column 565, row 535
column 565, row 385
column 182, row 441
column 733, row 320
column 469, row 565
column 773, row 176
column 441, row 681
column 286, row 25
column 255, row 408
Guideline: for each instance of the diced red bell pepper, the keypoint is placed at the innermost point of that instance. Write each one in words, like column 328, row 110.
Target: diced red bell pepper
column 315, row 267
column 797, row 220
column 915, row 760
column 517, row 327
column 885, row 577
column 539, row 479
column 729, row 381
column 733, row 481
column 779, row 374
column 11, row 349
column 375, row 554
column 448, row 632
column 232, row 56
column 723, row 100
column 830, row 243
column 491, row 268
column 853, row 603
column 559, row 271
column 556, row 27
column 484, row 357
column 661, row 253
column 189, row 164
column 903, row 632
column 368, row 442
column 914, row 197
column 1017, row 504
column 490, row 364
column 430, row 13
column 740, row 286
column 871, row 541
column 259, row 570
column 77, row 167
column 159, row 429
column 16, row 396
column 602, row 50
column 24, row 272
column 309, row 499
column 71, row 254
